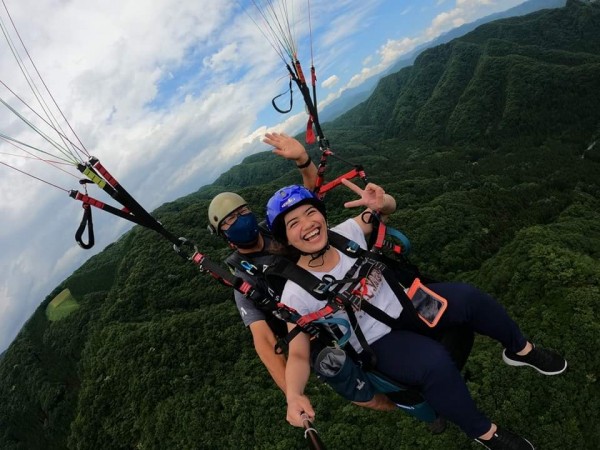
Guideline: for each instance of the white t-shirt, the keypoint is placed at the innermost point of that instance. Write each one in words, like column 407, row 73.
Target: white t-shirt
column 379, row 293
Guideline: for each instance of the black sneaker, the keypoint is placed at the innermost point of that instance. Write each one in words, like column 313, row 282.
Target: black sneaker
column 544, row 361
column 437, row 426
column 506, row 440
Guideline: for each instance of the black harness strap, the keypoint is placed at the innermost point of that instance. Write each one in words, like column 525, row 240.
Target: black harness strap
column 86, row 222
column 225, row 277
column 371, row 362
column 404, row 271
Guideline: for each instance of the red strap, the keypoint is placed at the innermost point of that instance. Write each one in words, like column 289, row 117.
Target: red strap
column 89, row 200
column 245, row 287
column 348, row 176
column 310, row 133
column 105, row 174
column 364, row 290
column 299, row 72
column 308, row 318
column 197, row 258
column 380, row 236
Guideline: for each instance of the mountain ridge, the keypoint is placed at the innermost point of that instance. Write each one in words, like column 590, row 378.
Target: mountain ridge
column 354, row 96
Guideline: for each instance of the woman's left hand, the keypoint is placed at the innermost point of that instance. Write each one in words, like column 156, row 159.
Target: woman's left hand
column 372, row 196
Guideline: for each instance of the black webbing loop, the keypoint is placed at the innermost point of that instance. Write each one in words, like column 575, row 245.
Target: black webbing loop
column 86, row 222
column 291, row 91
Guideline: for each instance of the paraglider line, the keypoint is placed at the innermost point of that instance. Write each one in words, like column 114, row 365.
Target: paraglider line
column 33, row 176
column 43, row 83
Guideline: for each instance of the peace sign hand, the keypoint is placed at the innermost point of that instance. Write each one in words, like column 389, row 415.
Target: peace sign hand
column 372, row 196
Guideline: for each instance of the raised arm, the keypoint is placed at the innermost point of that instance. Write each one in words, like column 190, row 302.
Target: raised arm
column 372, row 197
column 289, row 148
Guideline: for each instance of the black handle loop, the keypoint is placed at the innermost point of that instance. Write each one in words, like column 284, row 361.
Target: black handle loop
column 284, row 111
column 86, row 222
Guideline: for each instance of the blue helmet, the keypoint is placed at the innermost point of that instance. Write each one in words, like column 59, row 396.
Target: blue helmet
column 283, row 201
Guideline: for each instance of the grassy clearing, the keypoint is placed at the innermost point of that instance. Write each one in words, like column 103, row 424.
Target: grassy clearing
column 61, row 306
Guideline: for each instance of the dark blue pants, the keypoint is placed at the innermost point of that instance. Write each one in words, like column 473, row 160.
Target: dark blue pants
column 411, row 357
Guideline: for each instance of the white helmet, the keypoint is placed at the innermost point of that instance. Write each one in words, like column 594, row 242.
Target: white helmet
column 221, row 206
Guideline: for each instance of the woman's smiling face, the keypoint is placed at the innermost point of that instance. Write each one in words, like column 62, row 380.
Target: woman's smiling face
column 306, row 229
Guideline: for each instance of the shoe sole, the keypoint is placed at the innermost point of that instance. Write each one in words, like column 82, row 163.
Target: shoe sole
column 512, row 362
column 482, row 442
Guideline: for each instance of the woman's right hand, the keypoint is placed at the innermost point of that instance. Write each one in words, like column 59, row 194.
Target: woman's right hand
column 296, row 406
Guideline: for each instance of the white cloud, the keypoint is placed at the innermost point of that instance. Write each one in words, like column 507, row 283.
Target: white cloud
column 473, row 3
column 393, row 49
column 330, row 82
column 465, row 11
column 225, row 56
column 446, row 21
column 388, row 54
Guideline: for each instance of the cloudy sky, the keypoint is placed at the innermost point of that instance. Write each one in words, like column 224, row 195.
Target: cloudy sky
column 168, row 94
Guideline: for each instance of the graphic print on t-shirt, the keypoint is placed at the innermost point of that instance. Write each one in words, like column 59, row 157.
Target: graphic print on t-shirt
column 370, row 283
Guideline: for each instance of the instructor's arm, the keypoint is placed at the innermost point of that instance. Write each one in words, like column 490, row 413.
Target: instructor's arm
column 264, row 344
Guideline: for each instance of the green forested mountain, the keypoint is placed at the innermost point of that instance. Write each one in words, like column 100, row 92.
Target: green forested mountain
column 483, row 144
column 531, row 75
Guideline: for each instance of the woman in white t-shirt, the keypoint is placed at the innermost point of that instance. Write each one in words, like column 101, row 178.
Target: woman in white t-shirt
column 297, row 218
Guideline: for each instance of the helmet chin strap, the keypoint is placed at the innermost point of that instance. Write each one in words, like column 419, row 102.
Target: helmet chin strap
column 317, row 256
